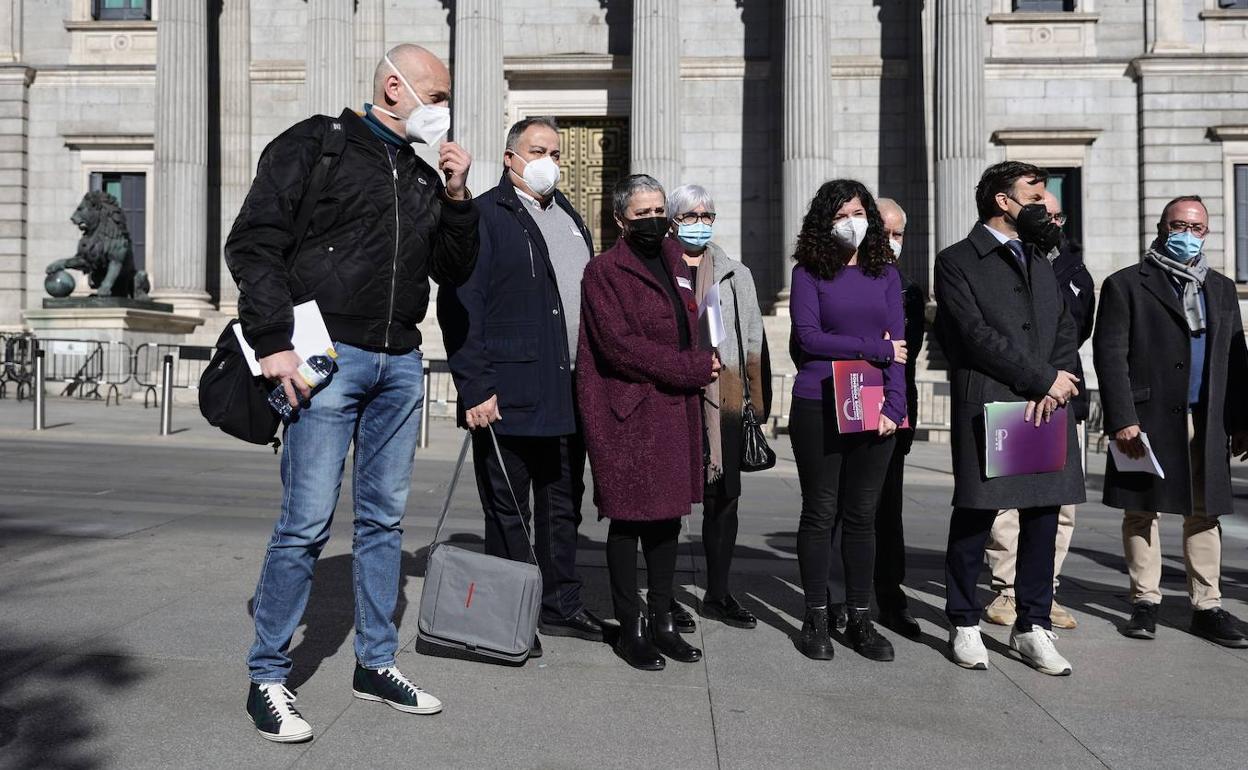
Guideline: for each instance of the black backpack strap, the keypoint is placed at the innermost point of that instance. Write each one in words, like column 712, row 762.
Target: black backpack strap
column 333, row 142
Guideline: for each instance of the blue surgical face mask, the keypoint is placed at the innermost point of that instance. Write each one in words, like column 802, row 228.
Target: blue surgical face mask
column 695, row 235
column 1183, row 247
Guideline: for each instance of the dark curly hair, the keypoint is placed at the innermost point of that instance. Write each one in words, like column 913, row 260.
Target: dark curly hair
column 821, row 253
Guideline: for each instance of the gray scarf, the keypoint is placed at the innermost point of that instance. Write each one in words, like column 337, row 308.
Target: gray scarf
column 1191, row 278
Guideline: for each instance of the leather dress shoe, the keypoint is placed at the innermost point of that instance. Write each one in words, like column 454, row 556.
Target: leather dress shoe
column 665, row 636
column 900, row 620
column 536, row 650
column 729, row 612
column 683, row 618
column 634, row 646
column 581, row 625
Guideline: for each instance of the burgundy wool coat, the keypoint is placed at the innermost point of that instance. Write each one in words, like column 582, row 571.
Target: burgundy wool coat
column 638, row 391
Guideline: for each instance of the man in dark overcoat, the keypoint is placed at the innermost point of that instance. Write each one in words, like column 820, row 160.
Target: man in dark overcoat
column 1172, row 365
column 1007, row 335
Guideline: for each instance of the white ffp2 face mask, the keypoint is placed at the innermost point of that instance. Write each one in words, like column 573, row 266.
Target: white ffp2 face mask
column 541, row 174
column 895, row 245
column 850, row 231
column 425, row 124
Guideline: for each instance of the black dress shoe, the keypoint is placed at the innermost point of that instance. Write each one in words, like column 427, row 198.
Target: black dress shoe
column 1143, row 622
column 815, row 641
column 633, row 645
column 729, row 612
column 582, row 625
column 536, row 650
column 682, row 618
column 900, row 620
column 864, row 639
column 1218, row 626
column 665, row 636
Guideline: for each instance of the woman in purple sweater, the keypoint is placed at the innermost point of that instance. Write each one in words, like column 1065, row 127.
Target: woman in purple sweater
column 846, row 305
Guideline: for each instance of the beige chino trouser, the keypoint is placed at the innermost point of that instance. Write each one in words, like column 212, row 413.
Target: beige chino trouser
column 1202, row 543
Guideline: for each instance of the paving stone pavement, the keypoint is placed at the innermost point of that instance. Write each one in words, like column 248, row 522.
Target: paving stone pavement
column 127, row 561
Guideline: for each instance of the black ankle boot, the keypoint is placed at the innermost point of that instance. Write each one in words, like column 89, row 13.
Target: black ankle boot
column 633, row 645
column 816, row 643
column 863, row 637
column 665, row 636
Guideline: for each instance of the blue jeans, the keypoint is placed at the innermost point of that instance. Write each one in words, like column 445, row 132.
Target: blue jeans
column 374, row 399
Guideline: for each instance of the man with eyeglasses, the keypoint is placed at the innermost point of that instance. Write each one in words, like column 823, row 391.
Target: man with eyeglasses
column 1173, row 367
column 1079, row 296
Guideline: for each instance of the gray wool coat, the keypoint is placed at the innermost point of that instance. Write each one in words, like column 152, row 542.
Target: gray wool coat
column 1005, row 333
column 1142, row 352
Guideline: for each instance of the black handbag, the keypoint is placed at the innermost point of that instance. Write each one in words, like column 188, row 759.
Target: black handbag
column 230, row 397
column 756, row 455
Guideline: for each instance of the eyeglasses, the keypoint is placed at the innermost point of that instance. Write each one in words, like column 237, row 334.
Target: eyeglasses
column 1058, row 219
column 688, row 218
column 1195, row 228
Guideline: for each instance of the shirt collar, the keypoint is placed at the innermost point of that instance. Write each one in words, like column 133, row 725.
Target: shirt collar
column 534, row 201
column 1000, row 236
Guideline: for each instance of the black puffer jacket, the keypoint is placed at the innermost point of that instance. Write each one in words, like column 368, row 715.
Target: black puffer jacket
column 380, row 230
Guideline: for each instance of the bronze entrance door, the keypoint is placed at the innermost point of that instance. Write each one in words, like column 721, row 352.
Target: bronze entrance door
column 595, row 157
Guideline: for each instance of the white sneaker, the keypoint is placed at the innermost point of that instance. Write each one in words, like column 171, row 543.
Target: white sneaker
column 271, row 708
column 968, row 648
column 1038, row 651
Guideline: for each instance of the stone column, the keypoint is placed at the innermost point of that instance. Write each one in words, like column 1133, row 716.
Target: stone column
column 960, row 140
column 178, row 260
column 655, row 126
column 479, row 90
column 236, row 166
column 330, row 57
column 370, row 45
column 806, row 146
column 1168, row 32
column 15, row 265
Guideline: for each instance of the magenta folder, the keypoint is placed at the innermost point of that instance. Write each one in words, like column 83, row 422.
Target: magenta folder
column 859, row 390
column 1013, row 446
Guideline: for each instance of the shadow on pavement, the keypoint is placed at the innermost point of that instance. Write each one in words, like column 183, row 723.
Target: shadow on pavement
column 46, row 707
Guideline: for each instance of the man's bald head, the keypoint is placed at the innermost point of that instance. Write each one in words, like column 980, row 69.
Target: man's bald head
column 424, row 71
column 893, row 217
column 1051, row 204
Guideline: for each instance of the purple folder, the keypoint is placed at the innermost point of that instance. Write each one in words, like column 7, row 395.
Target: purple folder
column 1013, row 446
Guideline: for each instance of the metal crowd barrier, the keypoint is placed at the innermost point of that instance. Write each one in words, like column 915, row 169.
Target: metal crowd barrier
column 441, row 398
column 87, row 366
column 934, row 407
column 17, row 365
column 149, row 361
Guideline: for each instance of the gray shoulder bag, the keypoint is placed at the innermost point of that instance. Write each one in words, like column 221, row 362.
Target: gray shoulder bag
column 480, row 604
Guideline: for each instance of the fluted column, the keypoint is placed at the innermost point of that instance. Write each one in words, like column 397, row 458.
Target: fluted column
column 806, row 143
column 370, row 44
column 330, row 57
column 235, row 68
column 479, row 89
column 654, row 127
column 960, row 139
column 178, row 262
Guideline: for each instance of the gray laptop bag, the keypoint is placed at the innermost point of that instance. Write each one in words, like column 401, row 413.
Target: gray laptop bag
column 483, row 605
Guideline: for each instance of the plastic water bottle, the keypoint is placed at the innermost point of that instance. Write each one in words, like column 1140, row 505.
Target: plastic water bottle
column 315, row 371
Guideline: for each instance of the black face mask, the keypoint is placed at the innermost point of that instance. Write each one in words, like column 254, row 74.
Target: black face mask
column 646, row 235
column 1035, row 227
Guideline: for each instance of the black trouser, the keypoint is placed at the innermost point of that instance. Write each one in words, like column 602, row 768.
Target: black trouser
column 719, row 538
column 553, row 468
column 1033, row 583
column 841, row 477
column 658, row 545
column 890, row 544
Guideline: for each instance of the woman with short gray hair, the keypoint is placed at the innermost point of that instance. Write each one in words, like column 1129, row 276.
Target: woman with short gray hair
column 640, row 375
column 692, row 213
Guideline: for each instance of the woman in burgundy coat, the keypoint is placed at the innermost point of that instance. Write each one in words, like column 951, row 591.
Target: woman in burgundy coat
column 639, row 376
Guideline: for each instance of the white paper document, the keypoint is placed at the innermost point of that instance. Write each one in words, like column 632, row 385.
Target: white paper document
column 311, row 338
column 711, row 316
column 1146, row 464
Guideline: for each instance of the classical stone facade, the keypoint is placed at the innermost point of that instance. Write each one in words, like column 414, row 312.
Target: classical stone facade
column 1130, row 101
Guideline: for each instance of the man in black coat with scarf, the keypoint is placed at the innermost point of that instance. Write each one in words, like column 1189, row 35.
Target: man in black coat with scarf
column 1003, row 325
column 1172, row 364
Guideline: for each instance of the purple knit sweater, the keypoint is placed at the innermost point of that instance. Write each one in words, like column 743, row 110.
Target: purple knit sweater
column 845, row 319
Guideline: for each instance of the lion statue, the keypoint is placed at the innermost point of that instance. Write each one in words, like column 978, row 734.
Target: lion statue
column 105, row 252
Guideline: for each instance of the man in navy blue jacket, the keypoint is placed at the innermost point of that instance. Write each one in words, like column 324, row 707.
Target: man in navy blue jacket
column 511, row 336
